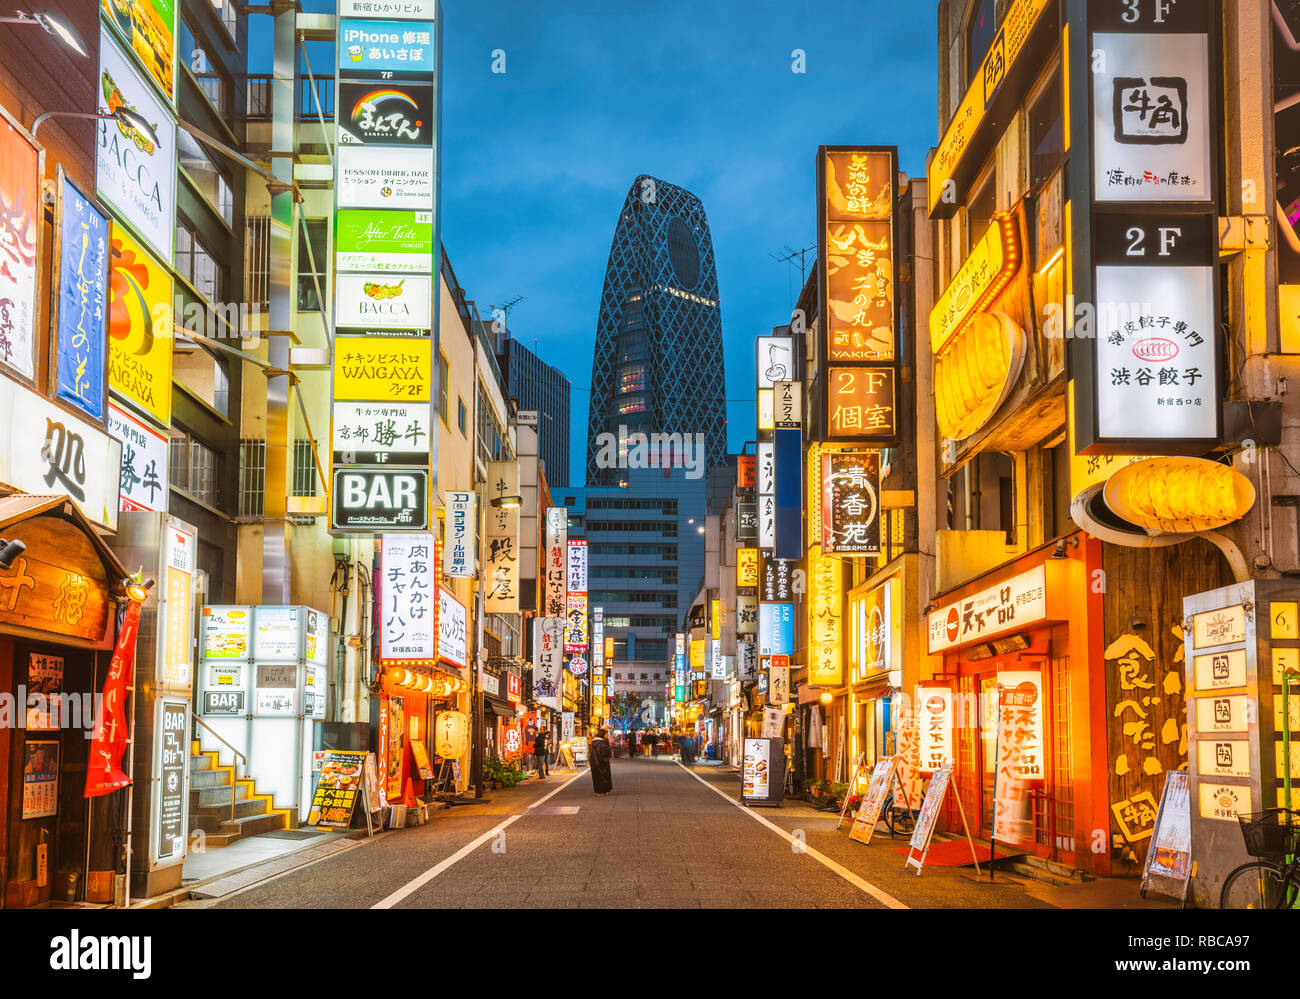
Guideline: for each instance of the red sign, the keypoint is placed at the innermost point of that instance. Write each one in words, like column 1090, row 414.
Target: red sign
column 104, row 768
column 780, row 662
column 512, row 686
column 746, row 471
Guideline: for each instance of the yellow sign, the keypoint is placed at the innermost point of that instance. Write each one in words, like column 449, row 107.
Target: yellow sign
column 860, row 404
column 1016, row 27
column 859, row 255
column 825, row 619
column 140, row 327
column 382, row 369
column 974, row 376
column 766, row 409
column 990, row 266
column 747, row 567
column 1282, row 620
column 697, row 653
column 717, row 620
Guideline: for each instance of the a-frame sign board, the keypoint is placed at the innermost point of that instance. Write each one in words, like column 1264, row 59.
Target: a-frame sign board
column 924, row 831
column 884, row 778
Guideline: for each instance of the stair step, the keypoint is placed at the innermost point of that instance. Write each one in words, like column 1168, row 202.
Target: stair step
column 253, row 825
column 202, row 797
column 209, row 778
column 215, row 841
column 202, row 762
column 209, row 822
column 243, row 808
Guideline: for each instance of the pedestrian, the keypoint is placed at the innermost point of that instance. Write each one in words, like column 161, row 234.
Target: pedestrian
column 652, row 742
column 540, row 753
column 631, row 744
column 599, row 755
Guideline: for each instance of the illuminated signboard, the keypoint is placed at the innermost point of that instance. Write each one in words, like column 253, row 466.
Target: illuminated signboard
column 408, row 599
column 557, row 538
column 775, row 629
column 860, row 405
column 851, row 502
column 82, row 301
column 934, row 727
column 747, row 567
column 993, row 261
column 825, row 620
column 501, row 538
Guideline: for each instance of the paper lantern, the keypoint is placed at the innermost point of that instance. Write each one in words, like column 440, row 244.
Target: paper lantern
column 451, row 734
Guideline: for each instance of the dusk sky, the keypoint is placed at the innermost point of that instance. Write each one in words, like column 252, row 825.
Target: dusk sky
column 537, row 161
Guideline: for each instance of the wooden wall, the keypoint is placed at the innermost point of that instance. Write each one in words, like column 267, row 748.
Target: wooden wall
column 1146, row 705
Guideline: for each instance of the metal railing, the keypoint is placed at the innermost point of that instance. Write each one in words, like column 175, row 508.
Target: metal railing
column 239, row 757
column 259, row 98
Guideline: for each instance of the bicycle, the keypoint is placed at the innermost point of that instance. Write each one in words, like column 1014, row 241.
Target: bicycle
column 898, row 819
column 1266, row 882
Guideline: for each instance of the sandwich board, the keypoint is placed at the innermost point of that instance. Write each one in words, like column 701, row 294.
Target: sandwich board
column 924, row 831
column 1168, row 866
column 883, row 779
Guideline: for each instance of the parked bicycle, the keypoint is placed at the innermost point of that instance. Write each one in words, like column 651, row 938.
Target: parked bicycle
column 900, row 819
column 1272, row 879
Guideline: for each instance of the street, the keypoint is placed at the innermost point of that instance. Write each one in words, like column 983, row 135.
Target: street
column 665, row 838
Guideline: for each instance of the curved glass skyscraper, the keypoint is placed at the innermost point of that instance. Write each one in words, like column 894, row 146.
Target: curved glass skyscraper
column 657, row 365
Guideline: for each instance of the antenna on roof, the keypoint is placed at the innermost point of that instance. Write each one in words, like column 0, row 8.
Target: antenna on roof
column 789, row 258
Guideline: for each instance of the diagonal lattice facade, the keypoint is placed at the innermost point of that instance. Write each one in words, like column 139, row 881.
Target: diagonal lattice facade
column 657, row 366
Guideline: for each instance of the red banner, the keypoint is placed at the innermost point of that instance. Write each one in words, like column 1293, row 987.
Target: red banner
column 104, row 768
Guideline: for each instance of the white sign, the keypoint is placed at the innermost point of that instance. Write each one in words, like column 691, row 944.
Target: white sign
column 384, row 301
column 133, row 175
column 747, row 660
column 46, row 451
column 1156, row 370
column 276, row 637
column 1151, row 117
column 779, row 685
column 399, row 430
column 408, row 588
column 766, row 470
column 390, row 10
column 934, row 727
column 577, row 572
column 557, row 536
column 548, row 660
column 1003, row 607
column 458, row 553
column 718, row 664
column 775, row 360
column 385, row 177
column 145, row 455
column 598, row 639
column 766, row 522
column 452, row 632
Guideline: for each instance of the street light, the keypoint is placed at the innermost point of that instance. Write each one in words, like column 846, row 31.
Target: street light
column 507, row 502
column 125, row 115
column 52, row 23
column 10, row 550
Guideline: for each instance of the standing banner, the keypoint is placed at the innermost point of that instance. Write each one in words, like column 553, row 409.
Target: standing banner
column 1019, row 755
column 1168, row 866
column 104, row 768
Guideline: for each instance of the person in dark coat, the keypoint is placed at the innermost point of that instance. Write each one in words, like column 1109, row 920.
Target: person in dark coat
column 631, row 744
column 540, row 753
column 652, row 739
column 601, row 751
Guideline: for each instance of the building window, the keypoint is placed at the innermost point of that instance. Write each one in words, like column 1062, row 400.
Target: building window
column 313, row 264
column 214, row 86
column 195, row 468
column 197, row 266
column 1046, row 132
column 207, row 177
column 980, row 31
column 979, row 213
column 444, row 374
column 462, row 416
column 304, row 468
column 252, row 477
column 229, row 16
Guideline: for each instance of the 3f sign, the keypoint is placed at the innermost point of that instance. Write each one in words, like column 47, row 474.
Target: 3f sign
column 1167, row 240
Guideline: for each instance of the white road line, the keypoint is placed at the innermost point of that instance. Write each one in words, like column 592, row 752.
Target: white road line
column 465, row 851
column 866, row 886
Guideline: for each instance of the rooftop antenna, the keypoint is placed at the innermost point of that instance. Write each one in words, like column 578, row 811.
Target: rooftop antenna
column 790, row 254
column 505, row 314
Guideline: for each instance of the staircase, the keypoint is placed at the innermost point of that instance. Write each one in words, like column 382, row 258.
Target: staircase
column 210, row 790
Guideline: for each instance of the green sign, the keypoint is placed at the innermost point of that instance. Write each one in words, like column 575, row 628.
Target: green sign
column 385, row 242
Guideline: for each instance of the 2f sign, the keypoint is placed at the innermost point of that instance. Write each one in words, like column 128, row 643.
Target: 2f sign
column 1166, row 240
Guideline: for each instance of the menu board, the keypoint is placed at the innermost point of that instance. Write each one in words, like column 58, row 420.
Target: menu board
column 337, row 789
column 422, row 762
column 882, row 782
column 276, row 639
column 579, row 747
column 756, row 769
column 1170, row 853
column 226, row 632
column 40, row 778
column 929, row 812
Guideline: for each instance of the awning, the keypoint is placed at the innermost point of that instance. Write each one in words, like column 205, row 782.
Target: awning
column 499, row 706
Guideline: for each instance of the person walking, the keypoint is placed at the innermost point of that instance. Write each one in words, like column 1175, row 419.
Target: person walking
column 540, row 753
column 651, row 741
column 601, row 751
column 631, row 744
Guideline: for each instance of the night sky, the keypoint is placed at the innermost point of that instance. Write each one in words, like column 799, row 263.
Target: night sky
column 537, row 161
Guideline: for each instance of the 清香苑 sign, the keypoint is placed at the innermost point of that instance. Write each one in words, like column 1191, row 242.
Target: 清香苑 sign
column 408, row 589
column 851, row 503
column 82, row 301
column 1006, row 606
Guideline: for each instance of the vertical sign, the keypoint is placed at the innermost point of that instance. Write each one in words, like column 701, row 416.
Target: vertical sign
column 460, row 535
column 575, row 638
column 408, row 599
column 145, row 457
column 175, row 648
column 787, row 438
column 548, row 660
column 825, row 620
column 851, row 502
column 766, row 495
column 934, row 727
column 501, row 559
column 173, row 791
column 557, row 536
column 82, row 301
column 1146, row 364
column 857, row 264
column 20, row 196
column 387, row 225
column 140, row 327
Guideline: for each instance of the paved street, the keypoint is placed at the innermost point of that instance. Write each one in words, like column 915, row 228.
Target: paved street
column 666, row 837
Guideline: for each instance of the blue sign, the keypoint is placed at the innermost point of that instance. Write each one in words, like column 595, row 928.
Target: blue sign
column 374, row 48
column 788, row 457
column 83, row 302
column 775, row 629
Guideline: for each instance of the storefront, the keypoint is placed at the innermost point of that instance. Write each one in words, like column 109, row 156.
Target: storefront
column 57, row 624
column 1019, row 652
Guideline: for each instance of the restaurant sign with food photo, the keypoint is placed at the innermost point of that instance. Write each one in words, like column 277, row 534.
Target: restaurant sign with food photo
column 1179, row 495
column 341, row 782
